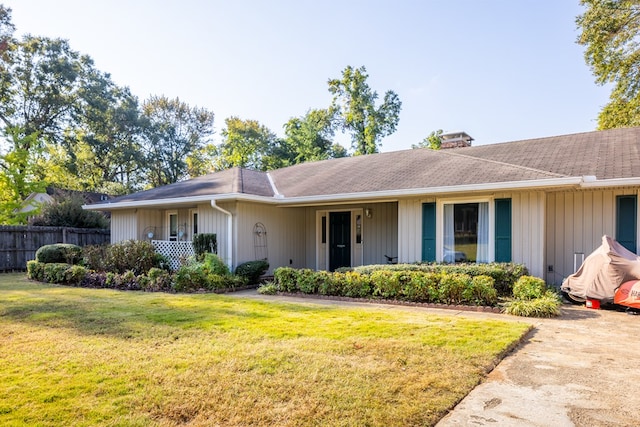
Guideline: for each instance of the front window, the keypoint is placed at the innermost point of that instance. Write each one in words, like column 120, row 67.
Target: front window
column 466, row 232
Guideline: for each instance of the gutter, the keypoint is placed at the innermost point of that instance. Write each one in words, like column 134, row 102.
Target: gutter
column 593, row 182
column 229, row 257
column 281, row 199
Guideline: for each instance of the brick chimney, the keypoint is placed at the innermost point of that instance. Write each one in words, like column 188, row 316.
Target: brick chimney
column 457, row 139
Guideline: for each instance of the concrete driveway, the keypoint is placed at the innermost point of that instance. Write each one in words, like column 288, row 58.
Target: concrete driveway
column 581, row 369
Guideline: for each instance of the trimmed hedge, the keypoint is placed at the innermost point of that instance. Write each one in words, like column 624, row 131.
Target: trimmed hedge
column 59, row 252
column 503, row 274
column 56, row 272
column 408, row 285
column 252, row 270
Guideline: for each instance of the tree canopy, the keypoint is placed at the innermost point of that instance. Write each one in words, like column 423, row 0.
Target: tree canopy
column 67, row 124
column 610, row 31
column 355, row 104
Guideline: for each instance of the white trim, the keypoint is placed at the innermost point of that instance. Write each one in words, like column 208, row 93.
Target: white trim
column 273, row 187
column 192, row 212
column 389, row 195
column 168, row 215
column 615, row 182
column 229, row 257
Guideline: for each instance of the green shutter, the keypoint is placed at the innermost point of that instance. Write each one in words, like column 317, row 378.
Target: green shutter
column 503, row 230
column 626, row 221
column 428, row 232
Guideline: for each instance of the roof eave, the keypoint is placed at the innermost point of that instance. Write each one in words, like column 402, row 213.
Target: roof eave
column 402, row 193
column 177, row 201
column 613, row 182
column 347, row 197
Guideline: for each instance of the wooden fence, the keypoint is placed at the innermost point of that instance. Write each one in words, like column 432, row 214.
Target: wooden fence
column 18, row 244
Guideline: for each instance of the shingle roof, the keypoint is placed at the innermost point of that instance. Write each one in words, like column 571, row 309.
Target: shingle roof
column 605, row 154
column 235, row 180
column 407, row 169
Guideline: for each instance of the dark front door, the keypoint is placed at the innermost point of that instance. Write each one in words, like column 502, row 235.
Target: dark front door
column 339, row 240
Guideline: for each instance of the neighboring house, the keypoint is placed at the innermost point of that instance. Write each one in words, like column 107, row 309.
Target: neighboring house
column 35, row 201
column 540, row 202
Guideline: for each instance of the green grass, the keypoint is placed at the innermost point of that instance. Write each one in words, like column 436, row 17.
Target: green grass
column 85, row 357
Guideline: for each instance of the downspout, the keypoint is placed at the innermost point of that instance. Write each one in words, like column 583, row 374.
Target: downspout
column 229, row 257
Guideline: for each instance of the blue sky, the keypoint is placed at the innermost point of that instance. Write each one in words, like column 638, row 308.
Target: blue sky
column 500, row 70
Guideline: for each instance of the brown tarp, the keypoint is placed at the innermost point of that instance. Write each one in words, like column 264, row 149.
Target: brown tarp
column 603, row 271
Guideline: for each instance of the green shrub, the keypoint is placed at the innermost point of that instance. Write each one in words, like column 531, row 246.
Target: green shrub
column 59, row 252
column 190, row 277
column 329, row 283
column 504, row 274
column 54, row 272
column 205, row 243
column 135, row 255
column 213, row 264
column 35, row 270
column 74, row 274
column 269, row 288
column 481, row 291
column 529, row 287
column 286, row 279
column 389, row 284
column 452, row 287
column 307, row 283
column 252, row 270
column 422, row 287
column 356, row 285
column 69, row 213
column 547, row 305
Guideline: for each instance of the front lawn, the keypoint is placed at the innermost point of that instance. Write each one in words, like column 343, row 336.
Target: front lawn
column 85, row 357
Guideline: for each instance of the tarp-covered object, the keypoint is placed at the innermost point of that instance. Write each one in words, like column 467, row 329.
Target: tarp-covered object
column 603, row 271
column 628, row 294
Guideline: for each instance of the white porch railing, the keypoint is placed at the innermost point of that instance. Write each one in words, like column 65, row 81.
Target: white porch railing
column 176, row 252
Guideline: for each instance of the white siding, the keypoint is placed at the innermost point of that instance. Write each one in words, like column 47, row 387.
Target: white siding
column 211, row 220
column 527, row 228
column 379, row 233
column 123, row 225
column 285, row 238
column 576, row 222
column 410, row 229
column 149, row 220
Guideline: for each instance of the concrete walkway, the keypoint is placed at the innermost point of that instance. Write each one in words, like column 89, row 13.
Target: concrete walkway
column 582, row 369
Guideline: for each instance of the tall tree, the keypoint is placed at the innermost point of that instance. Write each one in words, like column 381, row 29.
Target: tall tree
column 247, row 144
column 175, row 132
column 17, row 178
column 40, row 84
column 110, row 126
column 358, row 114
column 310, row 137
column 610, row 30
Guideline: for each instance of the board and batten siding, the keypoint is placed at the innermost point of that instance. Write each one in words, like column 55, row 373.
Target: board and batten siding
column 284, row 243
column 379, row 232
column 527, row 228
column 576, row 222
column 213, row 221
column 124, row 225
